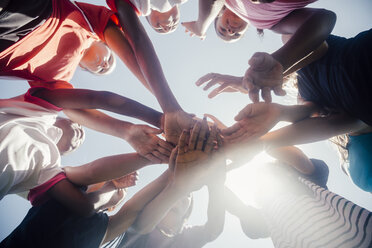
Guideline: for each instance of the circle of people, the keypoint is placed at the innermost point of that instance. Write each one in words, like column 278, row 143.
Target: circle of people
column 44, row 42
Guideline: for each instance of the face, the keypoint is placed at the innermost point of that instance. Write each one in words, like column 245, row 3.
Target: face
column 165, row 22
column 229, row 26
column 98, row 59
column 73, row 135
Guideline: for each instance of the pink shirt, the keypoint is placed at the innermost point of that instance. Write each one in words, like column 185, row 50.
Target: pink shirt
column 265, row 15
column 49, row 55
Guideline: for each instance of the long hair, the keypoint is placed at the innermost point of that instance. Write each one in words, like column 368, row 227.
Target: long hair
column 341, row 142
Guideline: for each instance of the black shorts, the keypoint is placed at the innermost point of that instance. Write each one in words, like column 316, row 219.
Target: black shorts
column 52, row 225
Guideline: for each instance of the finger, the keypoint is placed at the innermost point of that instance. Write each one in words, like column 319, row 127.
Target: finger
column 217, row 90
column 266, row 94
column 153, row 130
column 278, row 90
column 164, row 151
column 152, row 158
column 244, row 113
column 194, row 135
column 238, row 133
column 165, row 145
column 182, row 142
column 254, row 96
column 202, row 135
column 219, row 123
column 172, row 158
column 211, row 140
column 230, row 130
column 211, row 83
column 205, row 79
column 161, row 156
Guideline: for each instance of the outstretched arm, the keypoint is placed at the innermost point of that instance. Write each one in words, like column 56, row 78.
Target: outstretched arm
column 125, row 217
column 208, row 11
column 106, row 168
column 105, row 100
column 309, row 27
column 145, row 54
column 251, row 219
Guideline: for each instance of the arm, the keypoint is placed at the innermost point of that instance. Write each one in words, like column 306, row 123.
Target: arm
column 313, row 56
column 294, row 157
column 251, row 219
column 311, row 130
column 258, row 118
column 208, row 11
column 310, row 27
column 106, row 168
column 146, row 57
column 90, row 99
column 125, row 217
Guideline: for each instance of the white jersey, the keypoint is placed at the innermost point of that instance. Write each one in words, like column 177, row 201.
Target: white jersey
column 28, row 153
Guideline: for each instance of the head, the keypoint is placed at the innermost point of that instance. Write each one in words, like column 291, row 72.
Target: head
column 165, row 22
column 72, row 137
column 229, row 26
column 98, row 59
column 177, row 216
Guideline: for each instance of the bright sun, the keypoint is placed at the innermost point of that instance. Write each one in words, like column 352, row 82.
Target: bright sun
column 243, row 181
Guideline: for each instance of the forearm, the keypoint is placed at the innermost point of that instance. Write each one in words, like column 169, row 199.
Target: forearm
column 146, row 57
column 125, row 217
column 99, row 122
column 216, row 211
column 310, row 27
column 208, row 11
column 106, row 168
column 234, row 204
column 90, row 99
column 313, row 56
column 155, row 210
column 295, row 113
column 310, row 130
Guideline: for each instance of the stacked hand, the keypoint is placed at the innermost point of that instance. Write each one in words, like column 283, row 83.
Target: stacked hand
column 174, row 123
column 252, row 122
column 191, row 160
column 265, row 74
column 145, row 141
column 226, row 83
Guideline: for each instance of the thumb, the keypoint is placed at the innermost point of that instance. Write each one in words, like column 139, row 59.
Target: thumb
column 244, row 113
column 149, row 129
column 256, row 60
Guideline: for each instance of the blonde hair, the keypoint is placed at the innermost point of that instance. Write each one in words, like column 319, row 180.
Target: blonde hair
column 341, row 143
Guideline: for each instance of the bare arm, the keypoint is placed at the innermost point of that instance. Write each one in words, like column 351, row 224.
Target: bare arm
column 310, row 27
column 313, row 56
column 125, row 217
column 208, row 11
column 311, row 130
column 90, row 99
column 146, row 57
column 106, row 168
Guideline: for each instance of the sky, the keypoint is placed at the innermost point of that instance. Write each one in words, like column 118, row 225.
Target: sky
column 184, row 60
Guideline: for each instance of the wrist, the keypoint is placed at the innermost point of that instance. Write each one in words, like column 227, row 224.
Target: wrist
column 125, row 130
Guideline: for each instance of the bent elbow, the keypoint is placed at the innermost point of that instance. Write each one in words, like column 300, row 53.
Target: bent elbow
column 327, row 18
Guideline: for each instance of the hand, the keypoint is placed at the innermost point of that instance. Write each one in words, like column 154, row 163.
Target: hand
column 194, row 29
column 264, row 73
column 108, row 197
column 144, row 140
column 227, row 84
column 174, row 123
column 253, row 121
column 126, row 181
column 192, row 162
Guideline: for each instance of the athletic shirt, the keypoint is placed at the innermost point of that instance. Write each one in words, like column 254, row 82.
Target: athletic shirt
column 28, row 152
column 48, row 56
column 265, row 15
column 341, row 79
